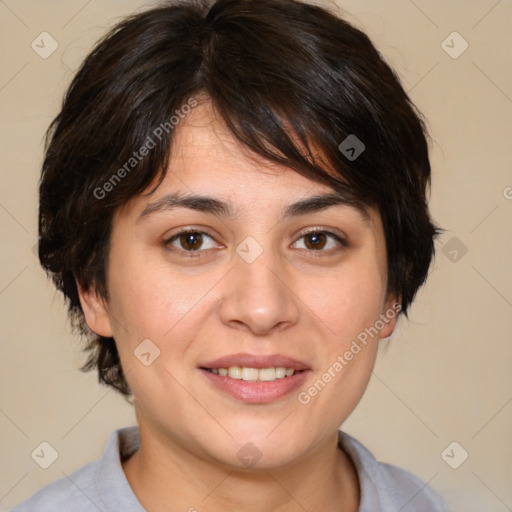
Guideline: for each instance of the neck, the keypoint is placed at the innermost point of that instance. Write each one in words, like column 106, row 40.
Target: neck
column 163, row 472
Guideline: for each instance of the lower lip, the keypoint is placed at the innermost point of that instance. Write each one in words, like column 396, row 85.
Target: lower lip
column 256, row 392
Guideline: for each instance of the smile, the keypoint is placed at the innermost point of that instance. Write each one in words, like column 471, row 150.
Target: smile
column 255, row 379
column 253, row 374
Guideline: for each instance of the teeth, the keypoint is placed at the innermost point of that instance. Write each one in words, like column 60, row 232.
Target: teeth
column 235, row 372
column 253, row 374
column 267, row 374
column 280, row 372
column 250, row 374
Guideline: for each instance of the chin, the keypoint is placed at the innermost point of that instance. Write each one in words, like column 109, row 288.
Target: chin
column 252, row 449
column 252, row 458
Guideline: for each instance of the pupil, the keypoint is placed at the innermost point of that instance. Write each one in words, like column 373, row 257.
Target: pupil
column 191, row 241
column 316, row 240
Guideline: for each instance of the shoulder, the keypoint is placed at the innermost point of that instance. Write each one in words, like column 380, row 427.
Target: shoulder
column 100, row 485
column 69, row 493
column 386, row 487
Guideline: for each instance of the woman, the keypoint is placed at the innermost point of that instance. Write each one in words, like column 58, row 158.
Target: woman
column 233, row 202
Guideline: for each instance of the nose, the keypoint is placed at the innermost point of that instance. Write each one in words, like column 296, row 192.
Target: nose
column 259, row 297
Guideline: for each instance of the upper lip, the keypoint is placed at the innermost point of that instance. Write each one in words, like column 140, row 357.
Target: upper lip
column 255, row 361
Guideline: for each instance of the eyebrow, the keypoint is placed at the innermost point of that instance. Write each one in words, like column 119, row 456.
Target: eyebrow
column 207, row 204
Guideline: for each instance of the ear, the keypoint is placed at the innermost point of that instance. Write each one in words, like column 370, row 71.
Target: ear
column 95, row 310
column 392, row 308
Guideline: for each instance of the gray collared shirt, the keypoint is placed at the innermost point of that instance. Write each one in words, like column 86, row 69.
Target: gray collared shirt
column 101, row 486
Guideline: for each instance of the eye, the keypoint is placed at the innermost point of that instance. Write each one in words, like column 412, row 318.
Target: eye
column 321, row 241
column 191, row 241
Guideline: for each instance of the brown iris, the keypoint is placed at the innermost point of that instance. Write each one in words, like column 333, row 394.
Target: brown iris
column 191, row 241
column 316, row 240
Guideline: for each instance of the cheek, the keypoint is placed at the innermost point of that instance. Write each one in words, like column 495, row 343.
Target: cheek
column 152, row 302
column 141, row 304
column 347, row 301
column 149, row 297
column 348, row 353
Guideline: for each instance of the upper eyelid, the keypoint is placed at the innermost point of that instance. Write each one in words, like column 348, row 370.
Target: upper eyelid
column 340, row 238
column 186, row 231
column 328, row 231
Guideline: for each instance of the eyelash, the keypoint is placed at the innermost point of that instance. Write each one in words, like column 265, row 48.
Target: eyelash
column 195, row 254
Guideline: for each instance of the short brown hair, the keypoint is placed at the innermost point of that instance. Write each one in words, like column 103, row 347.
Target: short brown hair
column 272, row 68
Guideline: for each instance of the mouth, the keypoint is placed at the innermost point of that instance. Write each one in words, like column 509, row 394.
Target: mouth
column 254, row 374
column 255, row 379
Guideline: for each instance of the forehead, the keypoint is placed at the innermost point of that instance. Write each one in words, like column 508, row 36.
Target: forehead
column 210, row 170
column 203, row 137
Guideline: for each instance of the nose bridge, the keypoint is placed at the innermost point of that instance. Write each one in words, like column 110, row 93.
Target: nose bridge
column 257, row 295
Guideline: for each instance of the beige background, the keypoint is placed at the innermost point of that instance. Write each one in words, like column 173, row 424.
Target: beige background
column 445, row 376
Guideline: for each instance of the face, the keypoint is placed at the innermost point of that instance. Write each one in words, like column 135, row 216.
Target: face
column 242, row 285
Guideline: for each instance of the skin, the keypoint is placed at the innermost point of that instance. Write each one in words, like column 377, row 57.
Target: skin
column 306, row 303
